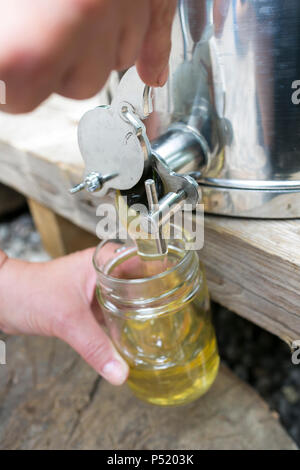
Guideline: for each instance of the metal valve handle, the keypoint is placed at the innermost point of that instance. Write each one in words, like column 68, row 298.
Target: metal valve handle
column 113, row 140
column 114, row 144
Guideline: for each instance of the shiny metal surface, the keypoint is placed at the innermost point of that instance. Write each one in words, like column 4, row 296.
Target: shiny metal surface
column 113, row 140
column 153, row 205
column 181, row 149
column 233, row 67
column 251, row 203
column 174, row 182
column 229, row 115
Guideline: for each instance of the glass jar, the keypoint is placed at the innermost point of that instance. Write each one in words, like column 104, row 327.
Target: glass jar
column 160, row 324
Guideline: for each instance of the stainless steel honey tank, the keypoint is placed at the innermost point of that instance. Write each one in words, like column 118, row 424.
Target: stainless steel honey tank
column 233, row 69
column 227, row 119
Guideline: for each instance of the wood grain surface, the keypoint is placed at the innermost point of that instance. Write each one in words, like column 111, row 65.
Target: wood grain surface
column 51, row 399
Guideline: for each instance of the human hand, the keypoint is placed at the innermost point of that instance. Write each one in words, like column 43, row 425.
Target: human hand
column 56, row 298
column 71, row 46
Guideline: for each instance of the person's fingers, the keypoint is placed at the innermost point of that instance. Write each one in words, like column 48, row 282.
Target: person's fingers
column 27, row 85
column 84, row 79
column 87, row 338
column 73, row 320
column 95, row 56
column 152, row 63
column 107, row 48
column 96, row 310
column 133, row 32
column 59, row 47
column 84, row 279
column 35, row 44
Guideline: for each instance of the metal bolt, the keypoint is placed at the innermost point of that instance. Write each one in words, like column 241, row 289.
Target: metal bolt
column 77, row 188
column 93, row 182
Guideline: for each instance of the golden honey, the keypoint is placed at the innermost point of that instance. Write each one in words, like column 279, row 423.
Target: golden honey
column 180, row 356
column 161, row 324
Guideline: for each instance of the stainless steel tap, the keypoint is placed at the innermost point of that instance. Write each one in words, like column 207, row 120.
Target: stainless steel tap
column 118, row 153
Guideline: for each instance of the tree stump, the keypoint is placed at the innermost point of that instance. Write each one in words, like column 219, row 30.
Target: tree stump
column 51, row 399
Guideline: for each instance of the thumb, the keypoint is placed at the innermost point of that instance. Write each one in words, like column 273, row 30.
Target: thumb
column 152, row 63
column 90, row 341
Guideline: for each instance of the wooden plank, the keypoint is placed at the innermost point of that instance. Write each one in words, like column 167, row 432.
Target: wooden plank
column 51, row 399
column 253, row 268
column 253, row 265
column 59, row 235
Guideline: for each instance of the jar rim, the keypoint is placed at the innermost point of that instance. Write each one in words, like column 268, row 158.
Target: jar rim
column 187, row 257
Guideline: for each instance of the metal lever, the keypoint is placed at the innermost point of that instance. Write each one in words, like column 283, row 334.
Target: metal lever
column 113, row 139
column 153, row 205
column 160, row 212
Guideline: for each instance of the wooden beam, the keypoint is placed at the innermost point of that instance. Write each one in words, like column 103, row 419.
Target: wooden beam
column 253, row 266
column 59, row 236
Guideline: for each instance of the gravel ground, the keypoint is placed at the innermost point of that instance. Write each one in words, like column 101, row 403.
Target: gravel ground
column 19, row 239
column 256, row 356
